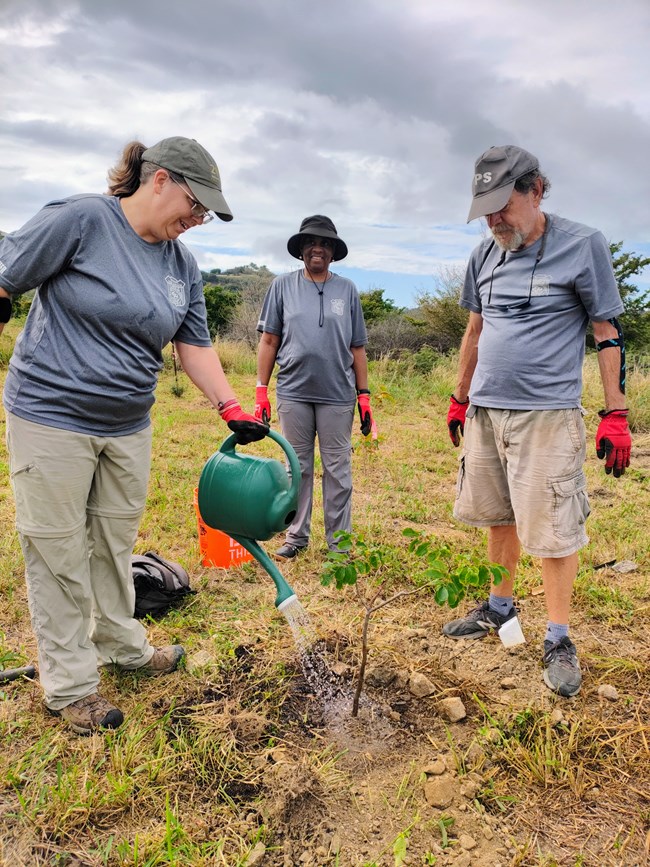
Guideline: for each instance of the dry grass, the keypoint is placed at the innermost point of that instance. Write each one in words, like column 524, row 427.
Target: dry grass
column 233, row 753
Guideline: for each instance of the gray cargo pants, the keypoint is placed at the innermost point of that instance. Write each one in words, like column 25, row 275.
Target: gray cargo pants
column 300, row 423
column 79, row 500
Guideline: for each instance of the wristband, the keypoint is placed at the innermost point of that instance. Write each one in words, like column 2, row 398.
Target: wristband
column 223, row 406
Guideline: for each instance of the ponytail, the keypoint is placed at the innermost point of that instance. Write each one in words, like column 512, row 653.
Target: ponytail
column 130, row 172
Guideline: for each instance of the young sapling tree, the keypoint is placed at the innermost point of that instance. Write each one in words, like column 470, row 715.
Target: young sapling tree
column 373, row 569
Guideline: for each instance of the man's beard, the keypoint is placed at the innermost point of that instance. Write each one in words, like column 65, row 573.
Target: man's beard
column 511, row 239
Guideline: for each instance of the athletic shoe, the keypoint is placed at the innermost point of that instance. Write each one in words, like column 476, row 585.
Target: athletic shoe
column 561, row 667
column 477, row 623
column 289, row 551
column 164, row 660
column 90, row 714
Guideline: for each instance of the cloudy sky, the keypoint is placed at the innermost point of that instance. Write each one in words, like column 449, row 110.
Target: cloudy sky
column 370, row 111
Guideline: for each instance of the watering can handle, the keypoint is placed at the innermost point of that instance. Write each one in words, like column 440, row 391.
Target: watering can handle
column 228, row 447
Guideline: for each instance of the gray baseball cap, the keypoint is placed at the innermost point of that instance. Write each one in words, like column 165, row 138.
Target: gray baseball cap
column 186, row 157
column 495, row 174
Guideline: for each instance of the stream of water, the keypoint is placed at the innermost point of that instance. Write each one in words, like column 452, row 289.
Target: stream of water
column 302, row 628
column 332, row 692
column 368, row 732
column 313, row 654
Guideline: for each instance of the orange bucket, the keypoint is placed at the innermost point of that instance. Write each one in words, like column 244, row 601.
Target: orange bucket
column 216, row 548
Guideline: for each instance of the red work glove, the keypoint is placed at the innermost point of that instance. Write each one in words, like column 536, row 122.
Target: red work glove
column 262, row 405
column 365, row 413
column 246, row 428
column 456, row 419
column 614, row 441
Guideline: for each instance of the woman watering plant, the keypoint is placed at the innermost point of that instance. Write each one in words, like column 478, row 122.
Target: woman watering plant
column 115, row 287
column 312, row 327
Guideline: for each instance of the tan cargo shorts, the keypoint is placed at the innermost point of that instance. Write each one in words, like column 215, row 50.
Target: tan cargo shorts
column 525, row 467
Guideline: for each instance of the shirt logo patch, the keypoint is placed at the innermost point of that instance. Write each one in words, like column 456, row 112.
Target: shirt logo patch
column 541, row 284
column 338, row 306
column 175, row 290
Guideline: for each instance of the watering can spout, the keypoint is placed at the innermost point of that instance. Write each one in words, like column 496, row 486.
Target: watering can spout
column 284, row 593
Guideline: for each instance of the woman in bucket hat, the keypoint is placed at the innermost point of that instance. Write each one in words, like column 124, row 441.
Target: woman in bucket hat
column 115, row 286
column 312, row 325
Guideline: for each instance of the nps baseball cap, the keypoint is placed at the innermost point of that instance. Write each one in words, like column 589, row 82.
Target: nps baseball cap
column 186, row 157
column 495, row 174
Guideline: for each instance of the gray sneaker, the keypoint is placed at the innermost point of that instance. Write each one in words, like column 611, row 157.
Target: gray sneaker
column 90, row 714
column 561, row 667
column 477, row 623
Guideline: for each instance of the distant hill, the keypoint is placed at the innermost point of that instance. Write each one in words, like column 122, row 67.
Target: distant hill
column 239, row 278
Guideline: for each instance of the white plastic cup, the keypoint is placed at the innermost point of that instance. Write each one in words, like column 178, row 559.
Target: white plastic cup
column 511, row 633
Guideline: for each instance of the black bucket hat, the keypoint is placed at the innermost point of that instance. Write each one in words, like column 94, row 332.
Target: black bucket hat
column 186, row 157
column 322, row 227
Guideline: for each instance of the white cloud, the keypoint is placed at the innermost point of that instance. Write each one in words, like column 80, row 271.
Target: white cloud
column 33, row 31
column 370, row 112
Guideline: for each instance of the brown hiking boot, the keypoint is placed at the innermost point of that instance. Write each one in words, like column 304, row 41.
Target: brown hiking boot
column 164, row 660
column 90, row 714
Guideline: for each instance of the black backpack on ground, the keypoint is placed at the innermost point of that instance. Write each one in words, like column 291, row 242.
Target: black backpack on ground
column 159, row 584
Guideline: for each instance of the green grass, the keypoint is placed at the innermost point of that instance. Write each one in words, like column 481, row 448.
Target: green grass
column 226, row 755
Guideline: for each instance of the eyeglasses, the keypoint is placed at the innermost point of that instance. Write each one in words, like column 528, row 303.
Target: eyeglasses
column 315, row 241
column 198, row 211
column 519, row 305
column 516, row 305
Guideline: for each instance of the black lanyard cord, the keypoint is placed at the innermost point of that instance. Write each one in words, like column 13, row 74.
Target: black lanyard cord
column 320, row 289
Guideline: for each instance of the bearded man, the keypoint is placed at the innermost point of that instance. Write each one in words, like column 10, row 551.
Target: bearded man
column 532, row 287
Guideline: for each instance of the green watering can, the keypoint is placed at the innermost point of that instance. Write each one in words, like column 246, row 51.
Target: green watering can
column 251, row 498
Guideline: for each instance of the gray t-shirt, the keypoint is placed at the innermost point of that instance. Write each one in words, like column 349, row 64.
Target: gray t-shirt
column 531, row 357
column 108, row 302
column 315, row 361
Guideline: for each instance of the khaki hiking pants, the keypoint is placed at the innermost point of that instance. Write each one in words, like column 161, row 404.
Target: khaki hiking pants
column 79, row 501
